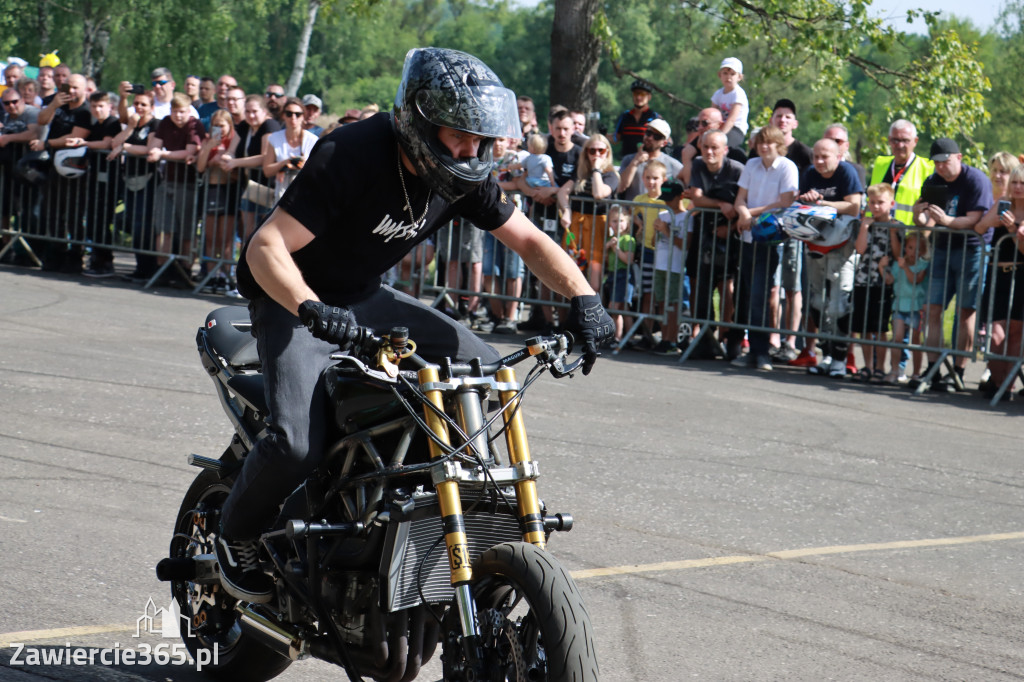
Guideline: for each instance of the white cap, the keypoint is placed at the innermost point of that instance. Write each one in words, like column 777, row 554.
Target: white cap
column 732, row 63
column 662, row 126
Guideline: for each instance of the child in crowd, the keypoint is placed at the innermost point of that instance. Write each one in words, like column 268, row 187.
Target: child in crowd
column 731, row 100
column 908, row 278
column 872, row 300
column 538, row 166
column 670, row 228
column 618, row 264
column 653, row 177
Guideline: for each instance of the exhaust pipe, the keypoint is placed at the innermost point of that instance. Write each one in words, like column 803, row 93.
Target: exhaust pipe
column 271, row 634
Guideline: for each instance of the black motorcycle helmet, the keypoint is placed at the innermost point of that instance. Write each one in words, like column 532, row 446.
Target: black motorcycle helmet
column 442, row 87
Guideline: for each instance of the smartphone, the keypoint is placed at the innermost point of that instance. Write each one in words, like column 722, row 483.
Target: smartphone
column 216, row 133
column 65, row 87
column 138, row 89
column 1004, row 206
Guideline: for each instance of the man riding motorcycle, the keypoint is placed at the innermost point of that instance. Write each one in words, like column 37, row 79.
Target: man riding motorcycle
column 367, row 195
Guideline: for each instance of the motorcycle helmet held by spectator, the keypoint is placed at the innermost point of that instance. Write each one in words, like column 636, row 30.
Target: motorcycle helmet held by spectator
column 71, row 163
column 448, row 88
column 818, row 226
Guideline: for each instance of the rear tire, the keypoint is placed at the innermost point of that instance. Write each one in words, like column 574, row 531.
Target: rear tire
column 537, row 625
column 209, row 607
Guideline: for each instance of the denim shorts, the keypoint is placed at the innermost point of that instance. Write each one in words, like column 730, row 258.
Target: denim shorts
column 499, row 260
column 620, row 283
column 956, row 271
column 910, row 320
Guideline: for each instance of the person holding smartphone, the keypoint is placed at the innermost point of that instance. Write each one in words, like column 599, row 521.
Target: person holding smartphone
column 966, row 196
column 286, row 150
column 1004, row 307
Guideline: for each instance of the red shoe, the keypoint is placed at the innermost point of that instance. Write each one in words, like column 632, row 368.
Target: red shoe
column 805, row 359
column 851, row 364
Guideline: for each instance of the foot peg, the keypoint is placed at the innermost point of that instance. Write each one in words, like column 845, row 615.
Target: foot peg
column 199, row 569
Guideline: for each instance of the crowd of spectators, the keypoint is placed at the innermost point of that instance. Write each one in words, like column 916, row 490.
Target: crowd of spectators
column 673, row 228
column 150, row 167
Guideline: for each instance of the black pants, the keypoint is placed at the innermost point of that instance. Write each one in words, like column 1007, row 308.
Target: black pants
column 298, row 424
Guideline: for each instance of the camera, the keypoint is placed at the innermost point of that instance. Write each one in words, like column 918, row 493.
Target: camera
column 138, row 89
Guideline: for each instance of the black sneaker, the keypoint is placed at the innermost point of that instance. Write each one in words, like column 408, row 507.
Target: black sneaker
column 240, row 573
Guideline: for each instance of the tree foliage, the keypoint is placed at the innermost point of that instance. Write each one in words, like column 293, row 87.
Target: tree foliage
column 830, row 56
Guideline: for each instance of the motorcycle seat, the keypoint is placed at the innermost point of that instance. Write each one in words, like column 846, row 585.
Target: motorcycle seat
column 228, row 332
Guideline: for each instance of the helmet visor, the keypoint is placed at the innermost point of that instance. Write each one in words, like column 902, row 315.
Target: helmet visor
column 487, row 110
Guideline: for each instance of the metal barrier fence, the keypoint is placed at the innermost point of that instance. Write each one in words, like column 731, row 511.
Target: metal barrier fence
column 55, row 209
column 710, row 286
column 693, row 275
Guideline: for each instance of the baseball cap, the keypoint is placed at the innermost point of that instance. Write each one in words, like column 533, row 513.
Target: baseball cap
column 662, row 126
column 671, row 189
column 312, row 100
column 943, row 148
column 732, row 63
column 787, row 103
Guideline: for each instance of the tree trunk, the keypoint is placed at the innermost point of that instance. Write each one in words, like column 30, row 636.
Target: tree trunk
column 575, row 53
column 291, row 88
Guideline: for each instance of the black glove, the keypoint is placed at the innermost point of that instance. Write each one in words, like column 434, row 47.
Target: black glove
column 329, row 323
column 589, row 319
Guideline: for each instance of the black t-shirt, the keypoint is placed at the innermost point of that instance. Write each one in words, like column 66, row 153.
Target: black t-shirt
column 721, row 186
column 349, row 196
column 252, row 145
column 98, row 130
column 970, row 191
column 64, row 120
column 139, row 165
column 565, row 170
column 843, row 183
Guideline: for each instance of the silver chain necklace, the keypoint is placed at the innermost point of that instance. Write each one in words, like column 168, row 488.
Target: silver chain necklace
column 408, row 201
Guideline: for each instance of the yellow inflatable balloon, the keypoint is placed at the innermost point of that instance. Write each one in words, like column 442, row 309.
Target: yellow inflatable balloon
column 50, row 59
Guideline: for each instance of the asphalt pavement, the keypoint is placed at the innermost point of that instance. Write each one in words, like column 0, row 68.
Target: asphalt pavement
column 730, row 525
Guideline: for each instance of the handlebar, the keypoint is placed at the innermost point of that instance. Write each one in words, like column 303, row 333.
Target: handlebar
column 550, row 350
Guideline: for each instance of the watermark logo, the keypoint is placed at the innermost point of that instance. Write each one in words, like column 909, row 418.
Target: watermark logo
column 162, row 622
column 166, row 623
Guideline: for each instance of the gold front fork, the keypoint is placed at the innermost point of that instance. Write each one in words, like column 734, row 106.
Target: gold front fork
column 519, row 456
column 447, row 491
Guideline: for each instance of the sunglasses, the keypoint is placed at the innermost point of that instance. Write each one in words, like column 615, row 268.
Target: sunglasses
column 293, row 114
column 836, row 140
column 274, row 94
column 703, row 124
column 9, row 102
column 160, row 82
column 597, row 150
column 656, row 136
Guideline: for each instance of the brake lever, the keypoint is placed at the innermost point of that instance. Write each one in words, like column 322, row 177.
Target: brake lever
column 559, row 369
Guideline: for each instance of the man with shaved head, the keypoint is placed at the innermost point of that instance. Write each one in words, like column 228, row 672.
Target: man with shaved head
column 708, row 119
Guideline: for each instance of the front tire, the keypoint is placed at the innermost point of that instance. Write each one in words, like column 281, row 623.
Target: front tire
column 214, row 622
column 533, row 623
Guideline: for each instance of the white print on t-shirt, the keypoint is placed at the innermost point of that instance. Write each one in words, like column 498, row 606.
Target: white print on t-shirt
column 391, row 229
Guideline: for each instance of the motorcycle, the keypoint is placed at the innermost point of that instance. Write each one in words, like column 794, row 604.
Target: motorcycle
column 412, row 534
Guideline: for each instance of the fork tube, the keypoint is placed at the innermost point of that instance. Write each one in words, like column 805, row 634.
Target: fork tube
column 519, row 452
column 447, row 491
